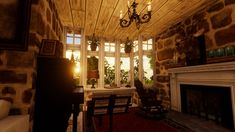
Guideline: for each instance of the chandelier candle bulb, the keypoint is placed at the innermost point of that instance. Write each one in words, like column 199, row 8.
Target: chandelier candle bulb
column 134, row 16
column 149, row 6
column 128, row 3
column 121, row 15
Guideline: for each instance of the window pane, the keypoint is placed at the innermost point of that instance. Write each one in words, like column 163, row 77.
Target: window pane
column 70, row 34
column 109, row 68
column 77, row 35
column 135, row 46
column 122, row 50
column 68, row 54
column 77, row 40
column 148, row 69
column 69, row 40
column 106, row 48
column 150, row 41
column 124, row 71
column 150, row 47
column 145, row 47
column 136, row 67
column 109, row 47
column 112, row 49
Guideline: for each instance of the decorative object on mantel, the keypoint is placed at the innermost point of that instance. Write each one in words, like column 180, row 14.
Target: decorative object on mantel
column 133, row 16
column 221, row 54
column 94, row 42
column 128, row 45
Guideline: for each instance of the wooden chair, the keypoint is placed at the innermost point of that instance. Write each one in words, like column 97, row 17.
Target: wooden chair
column 150, row 105
column 107, row 105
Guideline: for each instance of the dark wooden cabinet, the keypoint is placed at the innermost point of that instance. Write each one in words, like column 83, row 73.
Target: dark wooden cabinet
column 54, row 94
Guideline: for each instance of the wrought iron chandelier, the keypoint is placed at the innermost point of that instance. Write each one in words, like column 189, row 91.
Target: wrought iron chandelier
column 134, row 16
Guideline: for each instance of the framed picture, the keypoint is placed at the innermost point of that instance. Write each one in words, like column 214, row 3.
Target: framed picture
column 14, row 24
column 51, row 48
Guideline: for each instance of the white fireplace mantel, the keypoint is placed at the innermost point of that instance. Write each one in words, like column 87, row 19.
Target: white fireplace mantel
column 219, row 74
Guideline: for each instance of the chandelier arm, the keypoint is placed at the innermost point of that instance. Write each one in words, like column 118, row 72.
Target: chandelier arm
column 146, row 17
column 124, row 23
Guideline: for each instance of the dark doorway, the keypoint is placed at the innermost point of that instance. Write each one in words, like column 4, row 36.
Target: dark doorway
column 209, row 102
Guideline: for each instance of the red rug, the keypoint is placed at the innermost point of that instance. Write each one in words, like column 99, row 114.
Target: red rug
column 131, row 122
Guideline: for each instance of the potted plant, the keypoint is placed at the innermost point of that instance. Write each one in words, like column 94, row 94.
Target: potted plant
column 93, row 43
column 128, row 46
column 92, row 70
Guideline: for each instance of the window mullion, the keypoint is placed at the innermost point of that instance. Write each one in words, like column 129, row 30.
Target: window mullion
column 117, row 63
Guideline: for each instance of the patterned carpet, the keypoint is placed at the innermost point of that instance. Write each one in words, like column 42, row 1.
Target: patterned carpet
column 133, row 122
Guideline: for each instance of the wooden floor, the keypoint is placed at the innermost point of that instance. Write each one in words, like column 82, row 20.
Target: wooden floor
column 195, row 123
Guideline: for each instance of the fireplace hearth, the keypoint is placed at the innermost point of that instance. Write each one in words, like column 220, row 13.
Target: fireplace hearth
column 207, row 91
column 208, row 102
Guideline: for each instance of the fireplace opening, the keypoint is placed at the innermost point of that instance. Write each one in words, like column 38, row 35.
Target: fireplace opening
column 209, row 102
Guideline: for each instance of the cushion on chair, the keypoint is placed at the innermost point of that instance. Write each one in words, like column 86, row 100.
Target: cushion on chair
column 5, row 106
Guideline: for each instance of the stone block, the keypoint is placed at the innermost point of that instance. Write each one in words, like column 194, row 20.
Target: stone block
column 27, row 96
column 20, row 59
column 48, row 12
column 216, row 7
column 221, row 19
column 225, row 36
column 165, row 54
column 34, row 40
column 8, row 90
column 228, row 2
column 163, row 78
column 168, row 43
column 7, row 76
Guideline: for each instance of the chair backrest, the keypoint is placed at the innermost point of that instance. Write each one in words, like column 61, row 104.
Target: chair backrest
column 101, row 105
column 139, row 87
column 121, row 103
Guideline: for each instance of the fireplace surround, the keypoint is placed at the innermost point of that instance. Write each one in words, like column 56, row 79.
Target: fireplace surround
column 208, row 75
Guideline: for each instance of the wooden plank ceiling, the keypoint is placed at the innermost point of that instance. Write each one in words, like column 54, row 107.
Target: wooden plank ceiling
column 102, row 16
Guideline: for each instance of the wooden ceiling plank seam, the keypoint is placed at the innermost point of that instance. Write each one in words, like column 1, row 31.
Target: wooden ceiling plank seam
column 85, row 12
column 98, row 15
column 91, row 16
column 193, row 11
column 110, row 17
column 116, row 27
column 70, row 8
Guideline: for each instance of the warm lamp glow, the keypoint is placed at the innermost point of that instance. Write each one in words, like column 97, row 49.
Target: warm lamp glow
column 77, row 70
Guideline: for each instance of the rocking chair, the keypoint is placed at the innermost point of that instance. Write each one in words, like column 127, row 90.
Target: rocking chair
column 150, row 106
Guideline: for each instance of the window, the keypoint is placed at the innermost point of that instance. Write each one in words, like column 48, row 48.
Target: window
column 147, row 62
column 125, row 70
column 109, row 47
column 136, row 67
column 72, row 38
column 135, row 46
column 109, row 70
column 147, row 45
column 148, row 69
column 69, row 38
column 122, row 48
column 76, row 56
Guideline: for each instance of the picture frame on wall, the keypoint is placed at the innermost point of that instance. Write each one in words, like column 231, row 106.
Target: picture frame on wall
column 51, row 48
column 14, row 24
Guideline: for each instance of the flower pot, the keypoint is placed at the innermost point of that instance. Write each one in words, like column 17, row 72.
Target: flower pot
column 127, row 50
column 93, row 47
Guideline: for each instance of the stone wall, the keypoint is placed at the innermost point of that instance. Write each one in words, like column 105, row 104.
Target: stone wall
column 216, row 22
column 18, row 68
